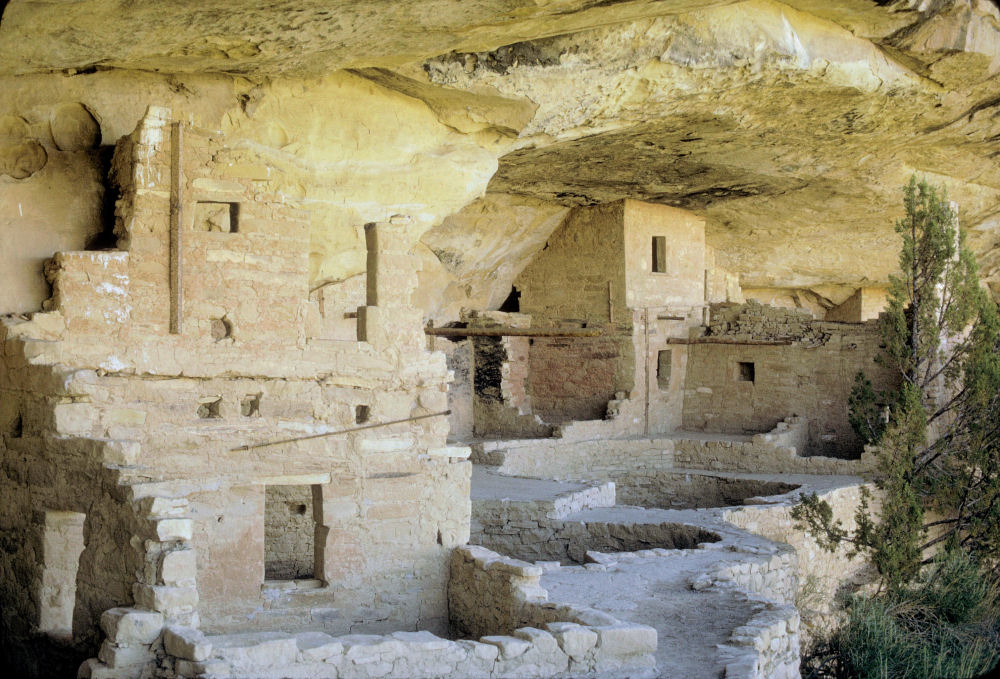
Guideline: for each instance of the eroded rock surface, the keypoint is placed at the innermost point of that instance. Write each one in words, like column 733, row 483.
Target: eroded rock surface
column 789, row 126
column 788, row 131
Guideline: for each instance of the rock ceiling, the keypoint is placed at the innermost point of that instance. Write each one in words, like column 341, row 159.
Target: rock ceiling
column 790, row 126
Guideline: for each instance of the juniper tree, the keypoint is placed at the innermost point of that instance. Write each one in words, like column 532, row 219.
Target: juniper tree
column 936, row 438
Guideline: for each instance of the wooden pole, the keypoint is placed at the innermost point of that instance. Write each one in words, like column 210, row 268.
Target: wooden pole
column 252, row 446
column 514, row 332
column 726, row 340
column 176, row 230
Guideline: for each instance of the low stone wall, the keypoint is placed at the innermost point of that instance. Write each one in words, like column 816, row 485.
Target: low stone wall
column 779, row 450
column 758, row 456
column 601, row 495
column 766, row 647
column 520, row 531
column 555, row 458
column 775, row 578
column 692, row 490
column 613, row 459
column 820, row 572
column 490, row 594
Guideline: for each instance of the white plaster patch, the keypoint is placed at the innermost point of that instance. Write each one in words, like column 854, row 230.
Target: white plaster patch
column 113, row 364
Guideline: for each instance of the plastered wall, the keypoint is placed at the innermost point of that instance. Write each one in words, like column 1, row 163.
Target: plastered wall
column 597, row 268
column 682, row 284
column 573, row 378
column 49, row 151
column 864, row 305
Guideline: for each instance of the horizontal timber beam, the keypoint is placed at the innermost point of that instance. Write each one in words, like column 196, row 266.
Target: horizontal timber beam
column 514, row 332
column 727, row 340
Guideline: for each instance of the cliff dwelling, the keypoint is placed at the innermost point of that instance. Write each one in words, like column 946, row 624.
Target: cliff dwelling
column 445, row 339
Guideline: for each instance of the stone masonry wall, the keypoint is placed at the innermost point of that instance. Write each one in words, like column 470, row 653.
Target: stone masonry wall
column 810, row 376
column 688, row 490
column 520, row 636
column 573, row 378
column 139, row 396
column 820, row 573
column 289, row 533
column 579, row 279
column 580, row 273
column 524, row 533
column 619, row 459
column 681, row 284
column 460, row 388
column 597, row 270
column 501, row 404
column 864, row 305
column 45, row 473
column 491, row 594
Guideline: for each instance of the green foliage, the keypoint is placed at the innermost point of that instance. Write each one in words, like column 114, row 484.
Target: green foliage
column 817, row 516
column 937, row 447
column 957, row 590
column 937, row 438
column 945, row 626
column 865, row 410
column 937, row 294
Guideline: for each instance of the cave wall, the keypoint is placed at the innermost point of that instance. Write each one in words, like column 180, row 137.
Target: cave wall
column 51, row 193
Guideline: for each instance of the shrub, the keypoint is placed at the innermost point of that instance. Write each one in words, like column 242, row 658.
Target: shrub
column 943, row 627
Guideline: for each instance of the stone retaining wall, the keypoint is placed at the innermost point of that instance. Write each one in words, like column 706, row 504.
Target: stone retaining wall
column 614, row 459
column 693, row 490
column 820, row 573
column 522, row 636
column 767, row 646
column 570, row 541
column 555, row 458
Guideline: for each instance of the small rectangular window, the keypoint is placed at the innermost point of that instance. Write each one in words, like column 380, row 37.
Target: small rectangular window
column 664, row 363
column 746, row 372
column 659, row 254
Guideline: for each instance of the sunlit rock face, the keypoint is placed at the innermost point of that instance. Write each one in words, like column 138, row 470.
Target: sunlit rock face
column 308, row 37
column 790, row 126
column 789, row 132
column 350, row 148
column 479, row 251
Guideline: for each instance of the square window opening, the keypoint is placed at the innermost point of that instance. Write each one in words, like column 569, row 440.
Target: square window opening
column 210, row 407
column 362, row 414
column 746, row 372
column 216, row 216
column 250, row 405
